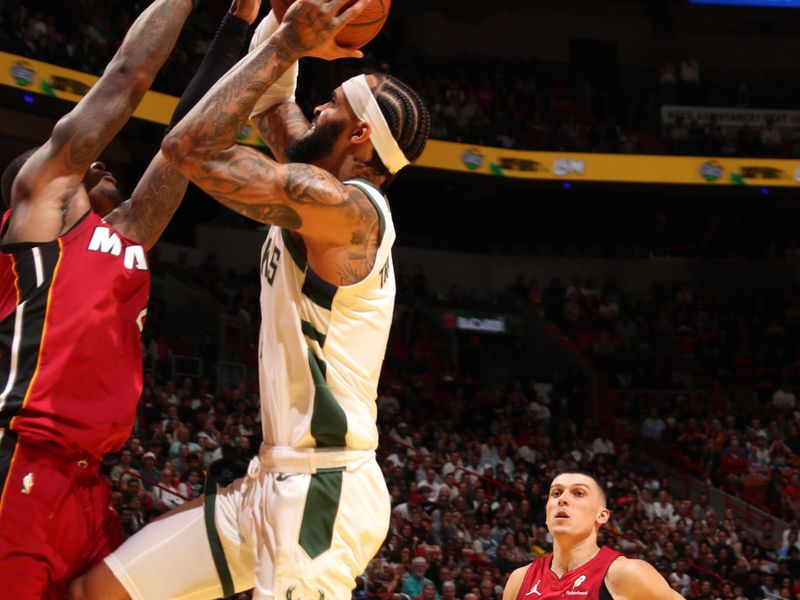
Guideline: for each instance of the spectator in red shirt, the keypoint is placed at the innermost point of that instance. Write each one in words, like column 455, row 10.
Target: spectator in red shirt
column 734, row 464
column 791, row 493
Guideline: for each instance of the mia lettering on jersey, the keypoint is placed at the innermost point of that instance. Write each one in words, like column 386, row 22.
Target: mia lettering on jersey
column 106, row 241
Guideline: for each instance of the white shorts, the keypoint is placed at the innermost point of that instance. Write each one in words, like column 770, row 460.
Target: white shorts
column 300, row 526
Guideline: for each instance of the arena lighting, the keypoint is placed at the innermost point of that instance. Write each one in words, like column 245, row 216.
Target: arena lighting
column 566, row 185
column 764, row 191
column 28, row 98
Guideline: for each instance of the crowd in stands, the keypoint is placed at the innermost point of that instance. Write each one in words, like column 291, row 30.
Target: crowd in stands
column 468, row 464
column 83, row 35
column 507, row 103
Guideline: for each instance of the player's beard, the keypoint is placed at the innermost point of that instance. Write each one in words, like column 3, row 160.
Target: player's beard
column 317, row 144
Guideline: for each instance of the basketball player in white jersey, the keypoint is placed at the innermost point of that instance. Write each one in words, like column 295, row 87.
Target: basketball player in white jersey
column 578, row 567
column 314, row 507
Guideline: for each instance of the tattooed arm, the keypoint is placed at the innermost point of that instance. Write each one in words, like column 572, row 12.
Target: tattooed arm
column 146, row 214
column 203, row 145
column 339, row 224
column 45, row 197
column 281, row 125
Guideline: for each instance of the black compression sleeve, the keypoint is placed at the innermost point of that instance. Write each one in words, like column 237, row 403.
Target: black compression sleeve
column 224, row 52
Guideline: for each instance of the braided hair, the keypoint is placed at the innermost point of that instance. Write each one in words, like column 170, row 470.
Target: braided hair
column 408, row 119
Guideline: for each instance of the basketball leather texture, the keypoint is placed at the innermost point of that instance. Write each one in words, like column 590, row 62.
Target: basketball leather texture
column 358, row 33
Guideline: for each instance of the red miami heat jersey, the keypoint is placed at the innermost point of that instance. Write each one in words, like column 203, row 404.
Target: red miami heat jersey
column 584, row 583
column 71, row 314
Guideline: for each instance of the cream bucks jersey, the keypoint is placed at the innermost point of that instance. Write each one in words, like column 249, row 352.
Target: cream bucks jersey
column 321, row 347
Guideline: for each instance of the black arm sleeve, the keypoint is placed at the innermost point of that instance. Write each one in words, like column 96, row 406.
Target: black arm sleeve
column 224, row 52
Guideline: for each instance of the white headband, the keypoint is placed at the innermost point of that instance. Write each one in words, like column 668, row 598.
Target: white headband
column 366, row 108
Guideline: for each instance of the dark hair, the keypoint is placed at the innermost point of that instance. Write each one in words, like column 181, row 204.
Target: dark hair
column 408, row 119
column 590, row 476
column 10, row 174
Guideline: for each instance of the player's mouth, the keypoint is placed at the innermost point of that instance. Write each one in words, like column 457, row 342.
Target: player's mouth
column 110, row 178
column 561, row 515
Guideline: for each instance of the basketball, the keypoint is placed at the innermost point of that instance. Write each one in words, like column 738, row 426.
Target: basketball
column 358, row 33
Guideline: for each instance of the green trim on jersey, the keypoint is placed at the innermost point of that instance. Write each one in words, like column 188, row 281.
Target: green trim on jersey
column 319, row 291
column 297, row 255
column 328, row 421
column 319, row 514
column 313, row 334
column 363, row 185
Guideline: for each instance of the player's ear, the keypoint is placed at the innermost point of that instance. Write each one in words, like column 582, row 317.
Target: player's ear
column 603, row 516
column 361, row 133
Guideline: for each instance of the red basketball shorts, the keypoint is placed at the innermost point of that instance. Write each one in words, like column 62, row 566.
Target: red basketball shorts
column 56, row 518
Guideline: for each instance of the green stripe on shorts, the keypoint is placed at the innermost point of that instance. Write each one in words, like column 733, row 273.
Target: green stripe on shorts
column 217, row 552
column 319, row 514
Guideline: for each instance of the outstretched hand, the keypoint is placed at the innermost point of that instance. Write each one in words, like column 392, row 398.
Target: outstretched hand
column 310, row 27
column 247, row 10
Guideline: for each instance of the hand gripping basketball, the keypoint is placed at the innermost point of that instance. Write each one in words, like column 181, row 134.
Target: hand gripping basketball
column 358, row 32
column 312, row 27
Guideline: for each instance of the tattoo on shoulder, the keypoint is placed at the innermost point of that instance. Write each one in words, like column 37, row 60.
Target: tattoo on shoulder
column 364, row 240
column 309, row 185
column 274, row 214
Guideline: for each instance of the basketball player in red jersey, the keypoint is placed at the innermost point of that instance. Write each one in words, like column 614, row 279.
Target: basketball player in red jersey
column 74, row 285
column 578, row 567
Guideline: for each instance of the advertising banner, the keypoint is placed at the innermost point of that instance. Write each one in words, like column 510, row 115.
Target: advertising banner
column 731, row 119
column 610, row 168
column 37, row 77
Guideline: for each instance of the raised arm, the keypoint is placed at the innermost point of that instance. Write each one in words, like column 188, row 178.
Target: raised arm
column 281, row 125
column 146, row 214
column 46, row 185
column 632, row 579
column 295, row 196
column 279, row 120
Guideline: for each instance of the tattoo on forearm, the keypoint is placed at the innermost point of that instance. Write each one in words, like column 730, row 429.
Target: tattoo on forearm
column 282, row 125
column 155, row 201
column 230, row 101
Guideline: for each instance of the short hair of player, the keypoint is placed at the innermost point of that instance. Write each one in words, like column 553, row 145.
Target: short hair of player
column 590, row 476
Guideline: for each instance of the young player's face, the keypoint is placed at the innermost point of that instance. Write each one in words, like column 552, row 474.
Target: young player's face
column 575, row 506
